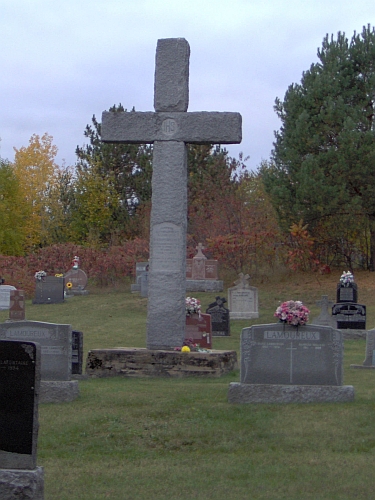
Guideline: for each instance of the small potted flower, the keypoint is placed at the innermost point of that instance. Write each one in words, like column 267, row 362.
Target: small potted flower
column 293, row 312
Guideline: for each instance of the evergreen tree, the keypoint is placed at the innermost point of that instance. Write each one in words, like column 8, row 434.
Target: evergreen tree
column 127, row 167
column 323, row 162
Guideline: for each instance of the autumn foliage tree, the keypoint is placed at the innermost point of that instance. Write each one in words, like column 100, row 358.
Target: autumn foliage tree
column 35, row 169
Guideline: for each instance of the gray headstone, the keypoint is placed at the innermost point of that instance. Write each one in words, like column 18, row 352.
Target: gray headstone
column 169, row 129
column 5, row 296
column 77, row 278
column 243, row 299
column 55, row 341
column 144, row 285
column 325, row 317
column 370, row 348
column 283, row 354
column 19, row 391
column 49, row 290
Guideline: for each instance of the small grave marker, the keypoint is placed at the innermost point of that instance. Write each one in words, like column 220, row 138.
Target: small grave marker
column 243, row 299
column 219, row 318
column 5, row 296
column 198, row 328
column 17, row 305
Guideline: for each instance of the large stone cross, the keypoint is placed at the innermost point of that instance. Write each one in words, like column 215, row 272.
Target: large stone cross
column 169, row 129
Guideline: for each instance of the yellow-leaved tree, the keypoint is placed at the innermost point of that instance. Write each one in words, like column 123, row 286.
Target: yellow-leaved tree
column 37, row 171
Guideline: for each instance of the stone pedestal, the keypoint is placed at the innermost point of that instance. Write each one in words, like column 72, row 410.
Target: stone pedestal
column 18, row 484
column 268, row 393
column 139, row 362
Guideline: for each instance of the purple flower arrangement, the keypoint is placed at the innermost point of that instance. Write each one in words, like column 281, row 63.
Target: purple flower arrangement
column 293, row 312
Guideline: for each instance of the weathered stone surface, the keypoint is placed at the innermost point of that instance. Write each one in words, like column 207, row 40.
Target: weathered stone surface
column 172, row 75
column 263, row 393
column 137, row 362
column 22, row 484
column 169, row 128
column 49, row 290
column 58, row 391
column 196, row 127
column 5, row 296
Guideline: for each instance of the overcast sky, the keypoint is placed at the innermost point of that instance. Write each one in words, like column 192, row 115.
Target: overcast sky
column 63, row 61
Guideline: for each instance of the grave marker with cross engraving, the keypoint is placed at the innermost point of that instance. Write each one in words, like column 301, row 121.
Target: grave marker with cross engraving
column 169, row 128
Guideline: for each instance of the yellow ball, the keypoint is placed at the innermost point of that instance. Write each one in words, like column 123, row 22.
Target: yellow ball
column 185, row 348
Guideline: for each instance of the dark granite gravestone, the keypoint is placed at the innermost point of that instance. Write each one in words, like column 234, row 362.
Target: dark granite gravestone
column 199, row 330
column 49, row 290
column 17, row 305
column 19, row 389
column 219, row 318
column 20, row 478
column 77, row 352
column 287, row 364
column 78, row 279
column 347, row 293
column 350, row 316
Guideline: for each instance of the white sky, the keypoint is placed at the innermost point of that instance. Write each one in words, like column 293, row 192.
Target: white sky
column 64, row 60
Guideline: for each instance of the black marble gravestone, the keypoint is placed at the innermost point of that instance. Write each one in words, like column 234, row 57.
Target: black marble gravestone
column 19, row 389
column 219, row 318
column 350, row 316
column 49, row 290
column 77, row 352
column 347, row 293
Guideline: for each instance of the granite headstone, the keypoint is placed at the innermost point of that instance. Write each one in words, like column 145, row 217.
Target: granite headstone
column 17, row 305
column 49, row 290
column 219, row 317
column 243, row 299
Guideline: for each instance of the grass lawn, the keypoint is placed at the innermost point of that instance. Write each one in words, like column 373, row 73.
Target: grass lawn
column 180, row 439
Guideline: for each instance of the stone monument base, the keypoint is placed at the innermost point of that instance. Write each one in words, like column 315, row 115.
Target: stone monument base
column 363, row 367
column 72, row 293
column 20, row 484
column 204, row 286
column 268, row 393
column 349, row 334
column 141, row 362
column 243, row 315
column 58, row 391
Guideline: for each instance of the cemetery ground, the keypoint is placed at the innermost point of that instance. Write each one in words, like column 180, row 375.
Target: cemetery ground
column 180, row 439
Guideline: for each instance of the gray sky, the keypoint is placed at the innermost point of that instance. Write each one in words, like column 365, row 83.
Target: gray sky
column 63, row 61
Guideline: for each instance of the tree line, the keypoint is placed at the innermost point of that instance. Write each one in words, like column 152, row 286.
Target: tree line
column 311, row 205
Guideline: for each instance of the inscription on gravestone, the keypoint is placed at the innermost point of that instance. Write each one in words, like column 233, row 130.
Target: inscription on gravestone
column 283, row 354
column 55, row 341
column 19, row 387
column 169, row 129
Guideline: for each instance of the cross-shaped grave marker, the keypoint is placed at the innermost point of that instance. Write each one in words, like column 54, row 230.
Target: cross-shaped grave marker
column 169, row 128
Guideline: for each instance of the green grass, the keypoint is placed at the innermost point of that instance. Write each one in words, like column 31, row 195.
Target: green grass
column 180, row 439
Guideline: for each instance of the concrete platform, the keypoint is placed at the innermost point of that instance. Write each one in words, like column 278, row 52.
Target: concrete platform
column 267, row 393
column 141, row 362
